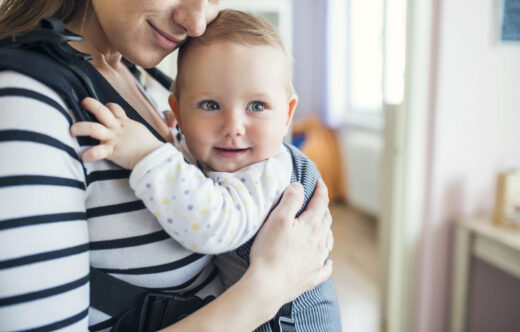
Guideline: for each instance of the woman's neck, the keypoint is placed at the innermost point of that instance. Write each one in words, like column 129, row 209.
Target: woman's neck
column 107, row 60
column 95, row 41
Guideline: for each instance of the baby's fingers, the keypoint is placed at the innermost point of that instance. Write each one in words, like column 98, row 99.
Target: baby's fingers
column 117, row 111
column 104, row 114
column 92, row 129
column 97, row 152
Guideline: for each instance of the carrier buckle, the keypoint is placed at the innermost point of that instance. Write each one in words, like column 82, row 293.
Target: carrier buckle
column 286, row 324
column 163, row 309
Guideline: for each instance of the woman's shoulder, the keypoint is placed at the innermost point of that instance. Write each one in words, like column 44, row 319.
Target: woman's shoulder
column 28, row 105
column 13, row 82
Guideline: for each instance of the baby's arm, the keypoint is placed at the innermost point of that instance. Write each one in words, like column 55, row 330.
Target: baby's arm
column 207, row 215
column 122, row 140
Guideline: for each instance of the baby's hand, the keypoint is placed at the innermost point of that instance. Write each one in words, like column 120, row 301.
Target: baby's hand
column 123, row 140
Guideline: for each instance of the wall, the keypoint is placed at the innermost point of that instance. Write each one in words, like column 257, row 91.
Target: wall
column 309, row 56
column 309, row 78
column 475, row 112
column 363, row 152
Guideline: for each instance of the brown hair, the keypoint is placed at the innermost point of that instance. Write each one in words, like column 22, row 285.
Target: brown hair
column 239, row 27
column 18, row 16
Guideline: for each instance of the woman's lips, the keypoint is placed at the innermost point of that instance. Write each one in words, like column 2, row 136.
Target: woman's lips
column 230, row 152
column 164, row 41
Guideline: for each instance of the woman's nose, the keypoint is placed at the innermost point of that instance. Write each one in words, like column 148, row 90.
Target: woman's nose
column 191, row 15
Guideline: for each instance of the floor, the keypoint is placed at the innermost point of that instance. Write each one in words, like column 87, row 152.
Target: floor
column 356, row 269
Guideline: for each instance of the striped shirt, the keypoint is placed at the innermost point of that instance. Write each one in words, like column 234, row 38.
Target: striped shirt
column 59, row 215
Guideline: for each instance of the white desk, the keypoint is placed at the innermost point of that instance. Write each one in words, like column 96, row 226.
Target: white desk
column 495, row 245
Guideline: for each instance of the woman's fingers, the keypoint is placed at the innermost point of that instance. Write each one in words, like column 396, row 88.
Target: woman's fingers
column 326, row 228
column 329, row 242
column 318, row 206
column 325, row 272
column 290, row 203
column 328, row 218
column 295, row 258
column 92, row 129
column 104, row 114
column 97, row 152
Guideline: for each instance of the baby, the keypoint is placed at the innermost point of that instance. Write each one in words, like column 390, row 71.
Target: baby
column 233, row 100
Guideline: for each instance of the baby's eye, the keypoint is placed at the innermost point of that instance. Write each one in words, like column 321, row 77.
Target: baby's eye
column 256, row 106
column 209, row 105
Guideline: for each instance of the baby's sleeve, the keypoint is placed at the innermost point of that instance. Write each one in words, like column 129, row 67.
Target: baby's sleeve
column 207, row 214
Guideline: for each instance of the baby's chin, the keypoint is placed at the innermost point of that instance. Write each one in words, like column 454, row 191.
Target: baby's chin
column 230, row 167
column 226, row 168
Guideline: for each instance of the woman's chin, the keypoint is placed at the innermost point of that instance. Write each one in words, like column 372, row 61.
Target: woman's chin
column 148, row 59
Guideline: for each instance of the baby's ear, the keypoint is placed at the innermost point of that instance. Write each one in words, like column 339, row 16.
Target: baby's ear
column 293, row 101
column 170, row 119
column 172, row 100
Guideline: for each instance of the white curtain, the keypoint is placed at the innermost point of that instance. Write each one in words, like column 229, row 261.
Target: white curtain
column 336, row 82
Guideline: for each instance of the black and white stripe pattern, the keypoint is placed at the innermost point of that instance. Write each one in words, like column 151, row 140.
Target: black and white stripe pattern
column 58, row 216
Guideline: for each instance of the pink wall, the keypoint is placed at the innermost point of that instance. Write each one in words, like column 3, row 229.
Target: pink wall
column 475, row 133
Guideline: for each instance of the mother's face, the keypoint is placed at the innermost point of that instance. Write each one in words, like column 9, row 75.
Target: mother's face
column 145, row 31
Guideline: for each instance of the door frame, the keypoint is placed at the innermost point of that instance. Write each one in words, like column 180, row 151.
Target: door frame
column 405, row 179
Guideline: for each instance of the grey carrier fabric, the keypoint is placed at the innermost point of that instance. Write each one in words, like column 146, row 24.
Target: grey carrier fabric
column 316, row 310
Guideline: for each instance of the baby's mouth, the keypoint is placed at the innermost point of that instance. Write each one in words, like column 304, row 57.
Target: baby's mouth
column 230, row 152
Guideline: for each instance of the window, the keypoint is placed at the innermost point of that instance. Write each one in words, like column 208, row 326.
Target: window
column 366, row 59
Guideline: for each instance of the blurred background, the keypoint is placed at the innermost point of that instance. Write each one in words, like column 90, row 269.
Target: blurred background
column 410, row 109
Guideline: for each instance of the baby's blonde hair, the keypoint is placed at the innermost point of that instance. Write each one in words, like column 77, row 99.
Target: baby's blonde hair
column 238, row 27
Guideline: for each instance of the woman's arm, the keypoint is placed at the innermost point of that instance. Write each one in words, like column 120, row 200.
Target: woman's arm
column 289, row 256
column 44, row 260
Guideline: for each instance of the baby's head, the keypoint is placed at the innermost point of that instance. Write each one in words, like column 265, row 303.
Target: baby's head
column 233, row 97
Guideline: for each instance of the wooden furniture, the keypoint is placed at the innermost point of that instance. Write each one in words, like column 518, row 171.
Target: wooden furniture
column 321, row 146
column 495, row 245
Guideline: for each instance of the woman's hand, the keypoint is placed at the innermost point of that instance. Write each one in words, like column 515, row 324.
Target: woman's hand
column 289, row 256
column 293, row 254
column 123, row 140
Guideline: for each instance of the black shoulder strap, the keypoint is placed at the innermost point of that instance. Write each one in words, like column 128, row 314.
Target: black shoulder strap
column 44, row 54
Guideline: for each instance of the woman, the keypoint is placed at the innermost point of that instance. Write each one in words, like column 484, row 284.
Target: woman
column 58, row 215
